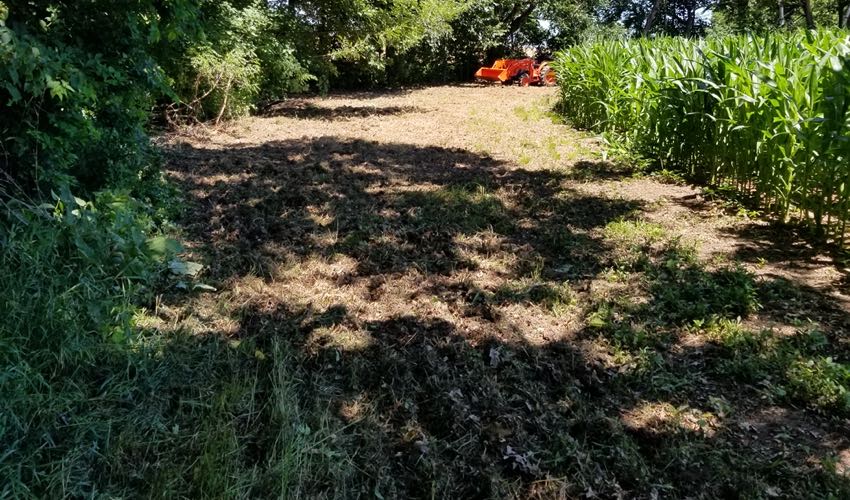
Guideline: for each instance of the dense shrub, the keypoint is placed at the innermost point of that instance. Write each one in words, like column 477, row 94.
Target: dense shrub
column 240, row 60
column 76, row 84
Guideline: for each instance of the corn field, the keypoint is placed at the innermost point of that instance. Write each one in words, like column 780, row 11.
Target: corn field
column 768, row 117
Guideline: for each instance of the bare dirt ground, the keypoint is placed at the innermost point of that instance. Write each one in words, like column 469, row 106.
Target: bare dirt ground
column 487, row 309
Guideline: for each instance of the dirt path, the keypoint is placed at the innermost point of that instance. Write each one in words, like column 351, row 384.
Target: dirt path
column 492, row 310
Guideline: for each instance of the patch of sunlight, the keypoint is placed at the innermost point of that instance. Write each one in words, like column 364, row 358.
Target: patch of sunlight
column 355, row 409
column 369, row 169
column 212, row 180
column 286, row 262
column 329, row 267
column 634, row 232
column 341, row 338
column 842, row 463
column 536, row 326
column 663, row 418
column 533, row 113
column 487, row 249
column 319, row 216
column 338, row 264
column 327, row 238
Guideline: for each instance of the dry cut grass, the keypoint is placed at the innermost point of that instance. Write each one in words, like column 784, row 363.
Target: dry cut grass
column 479, row 306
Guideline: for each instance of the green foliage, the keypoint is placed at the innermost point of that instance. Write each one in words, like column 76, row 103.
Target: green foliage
column 767, row 116
column 76, row 84
column 92, row 405
column 685, row 292
column 240, row 60
column 676, row 294
column 821, row 381
column 377, row 44
column 456, row 38
column 227, row 84
column 466, row 207
column 793, row 364
column 102, row 245
column 634, row 233
column 70, row 276
column 763, row 16
column 674, row 17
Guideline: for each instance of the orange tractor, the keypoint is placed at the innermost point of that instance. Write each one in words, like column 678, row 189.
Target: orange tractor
column 525, row 72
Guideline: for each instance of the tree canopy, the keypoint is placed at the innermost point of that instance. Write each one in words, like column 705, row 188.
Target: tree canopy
column 80, row 79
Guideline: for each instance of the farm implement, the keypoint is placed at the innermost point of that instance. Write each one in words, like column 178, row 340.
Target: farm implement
column 524, row 72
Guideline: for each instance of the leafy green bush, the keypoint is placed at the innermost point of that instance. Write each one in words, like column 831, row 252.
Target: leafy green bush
column 241, row 60
column 91, row 405
column 71, row 276
column 821, row 381
column 227, row 84
column 792, row 362
column 78, row 263
column 77, row 82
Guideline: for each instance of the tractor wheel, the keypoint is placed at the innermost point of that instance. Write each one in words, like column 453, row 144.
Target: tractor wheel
column 547, row 76
column 522, row 75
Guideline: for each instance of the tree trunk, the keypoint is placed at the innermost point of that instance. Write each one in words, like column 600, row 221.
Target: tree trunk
column 781, row 13
column 807, row 10
column 692, row 19
column 844, row 17
column 653, row 13
column 515, row 23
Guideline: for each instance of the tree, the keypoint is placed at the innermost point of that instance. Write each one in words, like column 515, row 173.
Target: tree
column 77, row 80
column 760, row 16
column 650, row 17
column 807, row 12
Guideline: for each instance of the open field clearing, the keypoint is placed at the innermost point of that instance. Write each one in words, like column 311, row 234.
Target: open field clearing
column 474, row 304
column 288, row 249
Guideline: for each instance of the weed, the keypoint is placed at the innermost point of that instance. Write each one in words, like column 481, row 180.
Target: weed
column 684, row 292
column 530, row 114
column 633, row 242
column 636, row 233
column 94, row 406
column 551, row 146
column 668, row 176
column 821, row 381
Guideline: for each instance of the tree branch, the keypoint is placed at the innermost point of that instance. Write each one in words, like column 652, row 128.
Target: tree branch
column 518, row 14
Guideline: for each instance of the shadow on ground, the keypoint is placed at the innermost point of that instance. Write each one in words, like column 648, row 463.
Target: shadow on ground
column 623, row 406
column 309, row 111
column 389, row 206
column 600, row 171
column 427, row 413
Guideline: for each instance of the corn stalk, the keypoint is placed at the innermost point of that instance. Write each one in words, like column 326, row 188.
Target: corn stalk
column 765, row 116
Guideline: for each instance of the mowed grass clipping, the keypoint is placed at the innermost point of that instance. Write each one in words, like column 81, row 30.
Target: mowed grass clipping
column 766, row 117
column 394, row 320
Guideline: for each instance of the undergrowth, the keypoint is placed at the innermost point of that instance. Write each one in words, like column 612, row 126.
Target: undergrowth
column 92, row 405
column 683, row 295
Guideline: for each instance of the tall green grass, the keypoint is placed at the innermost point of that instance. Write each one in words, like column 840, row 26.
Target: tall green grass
column 92, row 405
column 768, row 116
